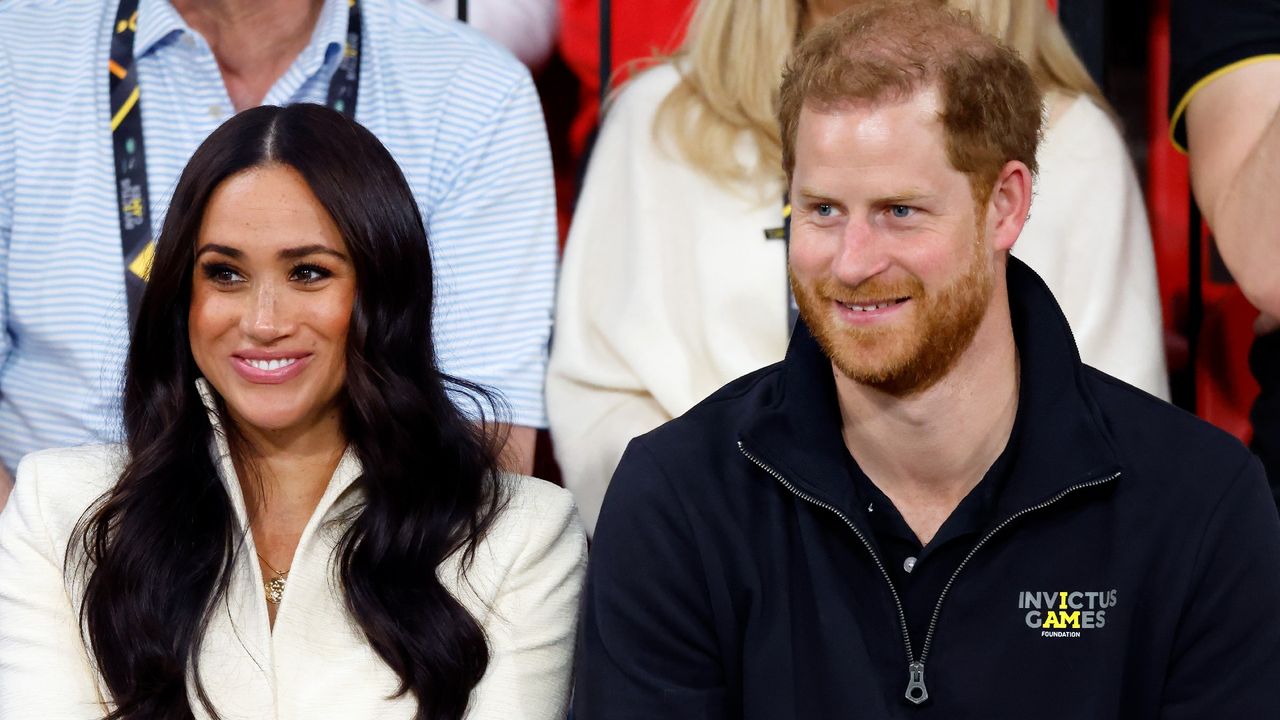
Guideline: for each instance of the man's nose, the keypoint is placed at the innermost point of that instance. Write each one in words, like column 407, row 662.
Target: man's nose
column 862, row 254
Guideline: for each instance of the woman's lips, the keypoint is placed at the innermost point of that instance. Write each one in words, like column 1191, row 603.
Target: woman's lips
column 272, row 371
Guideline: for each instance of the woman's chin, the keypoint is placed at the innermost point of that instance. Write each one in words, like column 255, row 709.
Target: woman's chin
column 268, row 420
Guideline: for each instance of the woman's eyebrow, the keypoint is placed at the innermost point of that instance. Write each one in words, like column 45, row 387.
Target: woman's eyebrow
column 224, row 249
column 294, row 253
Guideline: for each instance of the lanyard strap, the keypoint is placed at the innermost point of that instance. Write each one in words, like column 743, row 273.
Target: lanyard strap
column 136, row 244
column 344, row 86
column 783, row 233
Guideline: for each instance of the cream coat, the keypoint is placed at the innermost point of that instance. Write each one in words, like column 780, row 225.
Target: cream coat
column 523, row 588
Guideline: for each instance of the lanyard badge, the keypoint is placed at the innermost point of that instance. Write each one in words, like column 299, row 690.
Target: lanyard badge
column 783, row 233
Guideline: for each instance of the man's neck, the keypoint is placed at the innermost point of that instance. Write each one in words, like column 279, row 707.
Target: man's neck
column 928, row 450
column 254, row 41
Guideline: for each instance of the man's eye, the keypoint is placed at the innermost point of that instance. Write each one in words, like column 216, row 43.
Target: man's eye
column 901, row 211
column 824, row 210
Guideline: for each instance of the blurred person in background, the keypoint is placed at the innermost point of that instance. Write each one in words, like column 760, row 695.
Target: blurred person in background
column 1224, row 100
column 674, row 276
column 302, row 521
column 525, row 27
column 1088, row 235
column 87, row 168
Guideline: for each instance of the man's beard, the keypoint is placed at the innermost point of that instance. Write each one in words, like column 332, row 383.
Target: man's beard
column 911, row 357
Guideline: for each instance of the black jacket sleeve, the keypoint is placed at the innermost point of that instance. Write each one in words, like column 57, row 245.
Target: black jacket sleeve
column 647, row 646
column 1206, row 36
column 1226, row 657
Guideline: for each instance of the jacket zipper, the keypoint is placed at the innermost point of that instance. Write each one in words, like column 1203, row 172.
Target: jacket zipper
column 917, row 692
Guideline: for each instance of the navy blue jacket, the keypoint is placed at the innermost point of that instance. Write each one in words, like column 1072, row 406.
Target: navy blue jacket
column 1132, row 569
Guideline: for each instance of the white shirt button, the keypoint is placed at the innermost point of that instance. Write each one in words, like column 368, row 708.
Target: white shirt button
column 217, row 111
column 909, row 564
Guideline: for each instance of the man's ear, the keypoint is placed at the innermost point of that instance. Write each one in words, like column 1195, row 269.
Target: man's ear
column 1009, row 205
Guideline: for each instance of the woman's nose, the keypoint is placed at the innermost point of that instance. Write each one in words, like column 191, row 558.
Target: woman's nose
column 265, row 315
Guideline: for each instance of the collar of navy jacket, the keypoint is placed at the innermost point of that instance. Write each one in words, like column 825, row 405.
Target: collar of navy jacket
column 1062, row 439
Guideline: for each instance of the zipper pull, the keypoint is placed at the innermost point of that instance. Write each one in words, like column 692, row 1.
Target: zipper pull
column 917, row 693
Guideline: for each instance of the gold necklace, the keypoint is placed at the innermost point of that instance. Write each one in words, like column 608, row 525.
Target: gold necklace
column 275, row 586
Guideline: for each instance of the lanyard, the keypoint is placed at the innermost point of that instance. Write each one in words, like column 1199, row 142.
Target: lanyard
column 136, row 244
column 783, row 233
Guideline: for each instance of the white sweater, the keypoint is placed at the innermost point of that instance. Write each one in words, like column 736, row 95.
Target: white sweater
column 669, row 290
column 523, row 589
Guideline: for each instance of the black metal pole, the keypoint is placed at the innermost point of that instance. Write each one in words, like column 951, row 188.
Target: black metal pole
column 1195, row 302
column 462, row 10
column 606, row 51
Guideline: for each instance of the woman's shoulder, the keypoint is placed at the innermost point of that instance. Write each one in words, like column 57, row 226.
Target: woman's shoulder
column 64, row 482
column 532, row 504
column 641, row 96
column 54, row 488
column 538, row 520
column 1084, row 126
column 79, row 465
column 536, row 533
column 654, row 82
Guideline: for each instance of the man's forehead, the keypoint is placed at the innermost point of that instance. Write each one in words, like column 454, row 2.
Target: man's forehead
column 876, row 151
column 909, row 131
column 925, row 103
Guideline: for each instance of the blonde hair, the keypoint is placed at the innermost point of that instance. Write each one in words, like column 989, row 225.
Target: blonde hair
column 730, row 66
column 1033, row 31
column 731, row 63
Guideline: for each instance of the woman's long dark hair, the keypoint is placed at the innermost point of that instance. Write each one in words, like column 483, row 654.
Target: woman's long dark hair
column 159, row 547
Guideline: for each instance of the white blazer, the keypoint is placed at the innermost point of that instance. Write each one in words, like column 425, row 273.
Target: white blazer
column 523, row 589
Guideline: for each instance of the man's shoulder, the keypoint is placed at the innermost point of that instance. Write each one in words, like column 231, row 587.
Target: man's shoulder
column 704, row 438
column 17, row 11
column 428, row 45
column 1179, row 454
column 25, row 26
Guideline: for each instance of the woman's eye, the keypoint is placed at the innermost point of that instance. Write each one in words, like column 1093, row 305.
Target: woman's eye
column 901, row 211
column 308, row 274
column 220, row 274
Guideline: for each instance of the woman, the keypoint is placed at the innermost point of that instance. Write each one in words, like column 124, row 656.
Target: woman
column 301, row 523
column 1088, row 235
column 674, row 278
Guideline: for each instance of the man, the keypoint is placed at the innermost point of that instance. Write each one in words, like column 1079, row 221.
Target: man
column 1224, row 100
column 460, row 115
column 930, row 508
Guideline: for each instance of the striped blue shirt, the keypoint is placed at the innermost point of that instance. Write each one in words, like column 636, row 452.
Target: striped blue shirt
column 459, row 114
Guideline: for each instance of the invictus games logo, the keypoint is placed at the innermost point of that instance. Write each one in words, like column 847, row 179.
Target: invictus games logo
column 1066, row 613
